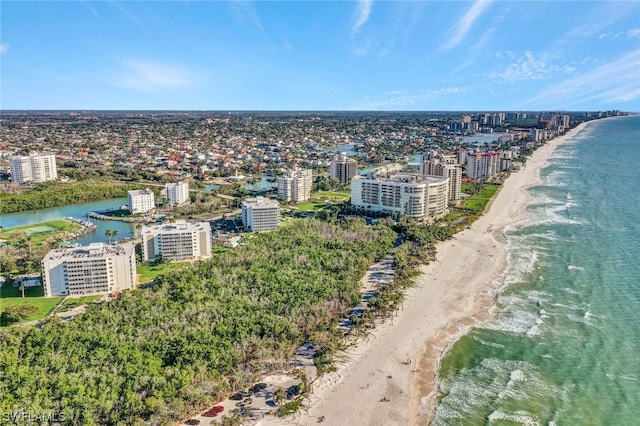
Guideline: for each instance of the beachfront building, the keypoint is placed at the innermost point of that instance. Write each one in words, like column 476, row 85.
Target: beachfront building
column 483, row 165
column 435, row 163
column 141, row 201
column 343, row 168
column 403, row 194
column 260, row 214
column 179, row 241
column 295, row 185
column 94, row 269
column 33, row 168
column 177, row 193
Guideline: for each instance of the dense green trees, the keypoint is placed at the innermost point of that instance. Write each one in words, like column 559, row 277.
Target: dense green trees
column 160, row 353
column 50, row 194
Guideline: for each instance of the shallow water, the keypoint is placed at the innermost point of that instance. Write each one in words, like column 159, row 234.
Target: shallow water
column 564, row 347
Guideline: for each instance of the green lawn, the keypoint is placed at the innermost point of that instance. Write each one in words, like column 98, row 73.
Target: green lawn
column 309, row 207
column 38, row 231
column 479, row 201
column 148, row 273
column 332, row 196
column 10, row 296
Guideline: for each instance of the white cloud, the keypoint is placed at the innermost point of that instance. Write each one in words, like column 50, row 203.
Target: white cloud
column 634, row 33
column 613, row 82
column 465, row 23
column 245, row 11
column 401, row 99
column 4, row 48
column 149, row 76
column 530, row 67
column 363, row 12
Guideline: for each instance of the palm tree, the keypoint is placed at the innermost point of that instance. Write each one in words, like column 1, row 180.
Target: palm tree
column 111, row 233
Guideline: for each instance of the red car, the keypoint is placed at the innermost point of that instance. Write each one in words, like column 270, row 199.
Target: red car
column 213, row 411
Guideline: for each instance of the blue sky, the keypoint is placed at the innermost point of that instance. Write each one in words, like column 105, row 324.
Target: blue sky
column 329, row 55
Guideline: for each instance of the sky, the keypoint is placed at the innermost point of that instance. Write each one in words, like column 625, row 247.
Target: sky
column 320, row 55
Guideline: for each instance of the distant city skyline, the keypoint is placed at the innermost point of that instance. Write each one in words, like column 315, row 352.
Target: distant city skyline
column 310, row 55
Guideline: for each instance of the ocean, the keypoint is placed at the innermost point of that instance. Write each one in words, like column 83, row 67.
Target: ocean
column 563, row 347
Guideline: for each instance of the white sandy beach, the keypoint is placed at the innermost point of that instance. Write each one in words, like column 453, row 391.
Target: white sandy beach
column 390, row 379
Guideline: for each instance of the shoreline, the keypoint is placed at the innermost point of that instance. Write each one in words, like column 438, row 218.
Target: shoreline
column 425, row 389
column 391, row 377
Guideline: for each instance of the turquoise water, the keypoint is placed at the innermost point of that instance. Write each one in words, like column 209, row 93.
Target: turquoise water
column 564, row 347
column 78, row 211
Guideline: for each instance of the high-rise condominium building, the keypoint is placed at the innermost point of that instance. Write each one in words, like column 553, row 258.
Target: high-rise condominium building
column 141, row 201
column 177, row 241
column 33, row 168
column 260, row 214
column 483, row 165
column 177, row 193
column 343, row 168
column 434, row 163
column 295, row 185
column 404, row 194
column 94, row 269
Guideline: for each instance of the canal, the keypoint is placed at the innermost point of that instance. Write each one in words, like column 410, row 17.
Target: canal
column 78, row 211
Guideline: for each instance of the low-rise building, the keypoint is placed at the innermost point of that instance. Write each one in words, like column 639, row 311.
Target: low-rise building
column 94, row 269
column 179, row 241
column 141, row 201
column 260, row 214
column 403, row 194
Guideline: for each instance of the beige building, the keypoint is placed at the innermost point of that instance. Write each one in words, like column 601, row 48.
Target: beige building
column 94, row 269
column 343, row 168
column 33, row 168
column 295, row 185
column 179, row 241
column 260, row 214
column 404, row 194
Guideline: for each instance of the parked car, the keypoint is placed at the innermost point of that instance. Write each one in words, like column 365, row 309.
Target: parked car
column 192, row 422
column 236, row 397
column 213, row 411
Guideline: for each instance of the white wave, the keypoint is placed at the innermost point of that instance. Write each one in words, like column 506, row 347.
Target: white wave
column 575, row 268
column 521, row 417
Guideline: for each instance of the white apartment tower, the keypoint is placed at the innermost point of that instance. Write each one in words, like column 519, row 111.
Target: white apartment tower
column 404, row 194
column 177, row 193
column 295, row 185
column 94, row 269
column 179, row 241
column 33, row 168
column 141, row 201
column 260, row 214
column 435, row 163
column 343, row 168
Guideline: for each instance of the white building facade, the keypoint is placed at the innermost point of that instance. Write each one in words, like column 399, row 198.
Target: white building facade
column 402, row 194
column 177, row 193
column 33, row 168
column 179, row 241
column 94, row 269
column 295, row 185
column 434, row 163
column 260, row 214
column 141, row 201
